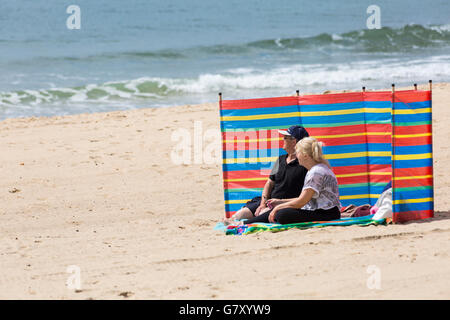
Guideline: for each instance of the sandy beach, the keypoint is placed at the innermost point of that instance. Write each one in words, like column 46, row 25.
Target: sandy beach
column 101, row 192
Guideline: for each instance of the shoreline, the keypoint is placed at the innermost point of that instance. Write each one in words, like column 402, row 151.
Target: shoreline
column 34, row 118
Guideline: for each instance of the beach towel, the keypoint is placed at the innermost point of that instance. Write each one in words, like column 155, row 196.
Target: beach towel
column 276, row 227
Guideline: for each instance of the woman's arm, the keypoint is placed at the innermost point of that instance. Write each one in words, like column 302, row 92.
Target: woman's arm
column 296, row 203
column 299, row 202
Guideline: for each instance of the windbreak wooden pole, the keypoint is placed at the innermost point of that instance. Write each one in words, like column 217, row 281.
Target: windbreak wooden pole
column 393, row 150
column 431, row 129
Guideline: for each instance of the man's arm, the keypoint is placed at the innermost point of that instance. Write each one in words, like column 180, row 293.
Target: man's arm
column 267, row 190
column 268, row 187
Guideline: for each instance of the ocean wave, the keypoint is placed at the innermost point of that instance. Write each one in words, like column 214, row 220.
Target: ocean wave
column 375, row 40
column 387, row 39
column 298, row 76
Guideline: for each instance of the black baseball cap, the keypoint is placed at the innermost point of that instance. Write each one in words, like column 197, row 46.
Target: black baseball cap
column 298, row 132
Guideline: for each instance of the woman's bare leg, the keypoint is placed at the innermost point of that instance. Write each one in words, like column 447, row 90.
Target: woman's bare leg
column 243, row 213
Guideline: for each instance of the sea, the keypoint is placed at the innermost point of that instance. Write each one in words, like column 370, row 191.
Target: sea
column 108, row 55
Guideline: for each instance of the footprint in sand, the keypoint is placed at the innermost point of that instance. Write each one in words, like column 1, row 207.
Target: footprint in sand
column 126, row 294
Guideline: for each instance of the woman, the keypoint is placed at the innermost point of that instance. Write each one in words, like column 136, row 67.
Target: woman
column 319, row 199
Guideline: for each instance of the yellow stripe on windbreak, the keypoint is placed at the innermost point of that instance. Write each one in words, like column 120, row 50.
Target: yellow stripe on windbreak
column 249, row 160
column 261, row 116
column 413, row 177
column 358, row 154
column 236, row 201
column 412, row 111
column 360, row 196
column 418, row 156
column 363, row 174
column 354, row 135
column 413, row 200
column 344, row 112
column 412, row 135
column 245, row 179
column 253, row 140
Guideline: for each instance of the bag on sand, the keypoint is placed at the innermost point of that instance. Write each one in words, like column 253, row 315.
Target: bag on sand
column 384, row 205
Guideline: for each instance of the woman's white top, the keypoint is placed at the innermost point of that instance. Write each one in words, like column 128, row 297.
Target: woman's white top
column 322, row 180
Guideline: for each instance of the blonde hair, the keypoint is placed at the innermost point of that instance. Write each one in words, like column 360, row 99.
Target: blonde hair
column 312, row 147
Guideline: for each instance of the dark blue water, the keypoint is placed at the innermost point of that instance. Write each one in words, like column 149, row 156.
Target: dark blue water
column 158, row 53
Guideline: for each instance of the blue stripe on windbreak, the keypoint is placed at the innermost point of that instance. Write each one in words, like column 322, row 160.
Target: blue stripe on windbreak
column 354, row 191
column 402, row 164
column 412, row 117
column 331, row 107
column 258, row 111
column 378, row 116
column 239, row 154
column 234, row 206
column 241, row 195
column 240, row 124
column 413, row 206
column 414, row 194
column 247, row 166
column 361, row 190
column 380, row 160
column 347, row 162
column 412, row 105
column 361, row 147
column 356, row 202
column 378, row 104
column 359, row 160
column 413, row 149
column 333, row 118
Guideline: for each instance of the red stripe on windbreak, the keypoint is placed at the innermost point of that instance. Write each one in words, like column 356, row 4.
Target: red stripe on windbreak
column 355, row 140
column 363, row 179
column 427, row 182
column 259, row 103
column 399, row 217
column 330, row 98
column 414, row 141
column 353, row 180
column 244, row 174
column 244, row 184
column 361, row 168
column 228, row 214
column 251, row 134
column 408, row 172
column 253, row 145
column 359, row 128
column 378, row 96
column 400, row 130
column 409, row 96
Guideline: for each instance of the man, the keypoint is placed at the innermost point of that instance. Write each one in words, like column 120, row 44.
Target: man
column 285, row 180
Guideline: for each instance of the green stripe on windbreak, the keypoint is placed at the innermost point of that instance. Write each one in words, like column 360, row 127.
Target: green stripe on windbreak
column 413, row 188
column 355, row 185
column 419, row 123
column 245, row 190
